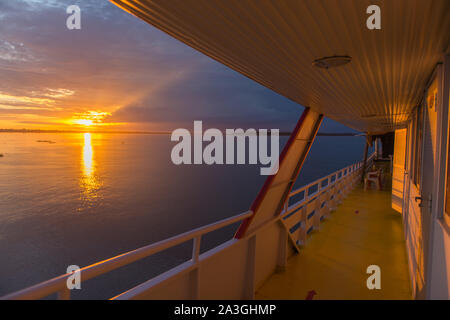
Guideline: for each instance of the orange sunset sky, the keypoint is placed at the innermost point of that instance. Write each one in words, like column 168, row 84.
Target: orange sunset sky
column 117, row 73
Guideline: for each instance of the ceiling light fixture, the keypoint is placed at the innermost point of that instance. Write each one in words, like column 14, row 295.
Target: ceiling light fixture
column 331, row 62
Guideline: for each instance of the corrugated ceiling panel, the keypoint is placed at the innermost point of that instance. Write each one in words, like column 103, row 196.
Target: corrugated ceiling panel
column 274, row 42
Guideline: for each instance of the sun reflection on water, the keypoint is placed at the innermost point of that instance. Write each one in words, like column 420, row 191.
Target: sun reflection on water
column 88, row 156
column 89, row 181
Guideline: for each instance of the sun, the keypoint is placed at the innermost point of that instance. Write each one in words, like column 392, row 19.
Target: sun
column 84, row 122
column 89, row 118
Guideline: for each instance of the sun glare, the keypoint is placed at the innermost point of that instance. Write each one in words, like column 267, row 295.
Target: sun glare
column 87, row 156
column 89, row 180
column 89, row 118
column 84, row 122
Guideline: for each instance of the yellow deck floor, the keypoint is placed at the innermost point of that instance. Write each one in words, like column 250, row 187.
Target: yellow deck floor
column 334, row 260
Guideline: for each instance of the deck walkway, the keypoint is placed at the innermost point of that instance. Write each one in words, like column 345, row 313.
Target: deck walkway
column 364, row 230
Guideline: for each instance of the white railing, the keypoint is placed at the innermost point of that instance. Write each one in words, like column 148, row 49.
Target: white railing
column 230, row 270
column 59, row 284
column 317, row 200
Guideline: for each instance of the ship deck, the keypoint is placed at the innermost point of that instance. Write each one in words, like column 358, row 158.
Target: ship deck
column 363, row 231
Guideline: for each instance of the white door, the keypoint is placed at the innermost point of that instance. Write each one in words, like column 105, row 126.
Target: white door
column 411, row 210
column 421, row 179
column 439, row 272
column 429, row 164
column 398, row 172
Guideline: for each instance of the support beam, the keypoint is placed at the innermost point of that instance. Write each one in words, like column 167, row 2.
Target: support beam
column 276, row 189
column 366, row 151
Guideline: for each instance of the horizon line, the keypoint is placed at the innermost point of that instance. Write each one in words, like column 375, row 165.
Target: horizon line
column 281, row 133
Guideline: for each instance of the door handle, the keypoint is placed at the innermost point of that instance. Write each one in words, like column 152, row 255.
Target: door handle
column 420, row 200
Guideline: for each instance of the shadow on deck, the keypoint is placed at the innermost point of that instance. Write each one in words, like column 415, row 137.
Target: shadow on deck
column 363, row 231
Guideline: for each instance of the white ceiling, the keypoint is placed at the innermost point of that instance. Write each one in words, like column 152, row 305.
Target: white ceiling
column 274, row 42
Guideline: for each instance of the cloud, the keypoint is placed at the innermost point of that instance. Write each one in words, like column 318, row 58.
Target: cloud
column 218, row 96
column 114, row 60
column 120, row 65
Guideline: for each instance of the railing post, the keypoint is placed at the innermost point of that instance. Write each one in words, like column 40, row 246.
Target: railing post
column 195, row 274
column 346, row 182
column 333, row 192
column 194, row 282
column 318, row 210
column 302, row 230
column 249, row 283
column 328, row 198
column 196, row 249
column 366, row 151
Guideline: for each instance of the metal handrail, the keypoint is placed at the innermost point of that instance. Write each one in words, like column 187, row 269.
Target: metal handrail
column 350, row 169
column 59, row 284
column 319, row 200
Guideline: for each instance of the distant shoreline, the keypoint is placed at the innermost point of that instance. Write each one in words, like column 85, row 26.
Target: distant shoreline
column 79, row 131
column 320, row 134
